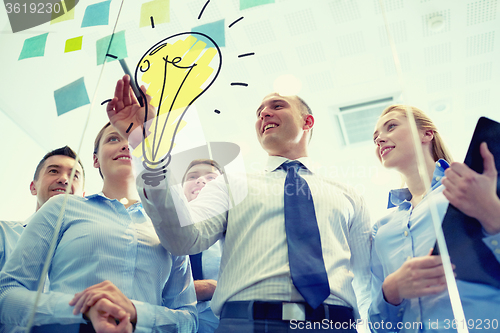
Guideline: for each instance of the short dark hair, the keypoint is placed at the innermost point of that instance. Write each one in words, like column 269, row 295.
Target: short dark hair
column 63, row 151
column 202, row 161
column 305, row 110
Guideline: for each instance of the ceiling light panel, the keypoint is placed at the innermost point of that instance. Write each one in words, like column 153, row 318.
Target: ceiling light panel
column 344, row 11
column 319, row 81
column 477, row 98
column 351, row 44
column 397, row 31
column 390, row 67
column 439, row 82
column 480, row 43
column 479, row 73
column 437, row 54
column 309, row 54
column 481, row 11
column 260, row 33
column 272, row 63
column 301, row 22
column 388, row 5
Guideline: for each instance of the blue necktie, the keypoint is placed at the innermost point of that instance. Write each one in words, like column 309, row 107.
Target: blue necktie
column 196, row 266
column 307, row 267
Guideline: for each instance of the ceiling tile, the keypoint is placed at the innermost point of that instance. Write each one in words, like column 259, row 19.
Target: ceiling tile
column 300, row 22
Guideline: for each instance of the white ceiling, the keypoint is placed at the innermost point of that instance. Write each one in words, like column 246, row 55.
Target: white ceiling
column 338, row 49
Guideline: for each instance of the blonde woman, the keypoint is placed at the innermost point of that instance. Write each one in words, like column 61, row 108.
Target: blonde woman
column 409, row 291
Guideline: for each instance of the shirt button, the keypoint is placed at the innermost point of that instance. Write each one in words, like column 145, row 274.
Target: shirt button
column 438, row 164
column 408, row 258
column 438, row 178
column 406, row 233
column 497, row 251
column 494, row 243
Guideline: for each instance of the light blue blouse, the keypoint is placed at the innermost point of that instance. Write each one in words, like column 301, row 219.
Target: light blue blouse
column 99, row 240
column 408, row 232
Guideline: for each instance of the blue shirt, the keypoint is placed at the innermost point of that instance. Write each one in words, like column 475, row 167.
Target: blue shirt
column 210, row 262
column 408, row 232
column 10, row 232
column 99, row 240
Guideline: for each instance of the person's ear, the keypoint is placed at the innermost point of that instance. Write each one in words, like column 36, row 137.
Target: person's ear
column 309, row 122
column 33, row 188
column 96, row 162
column 428, row 135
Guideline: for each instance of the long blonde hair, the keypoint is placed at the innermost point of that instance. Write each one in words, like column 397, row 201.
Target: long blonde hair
column 423, row 122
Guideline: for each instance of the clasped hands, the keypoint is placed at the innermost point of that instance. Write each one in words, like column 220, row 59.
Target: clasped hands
column 109, row 310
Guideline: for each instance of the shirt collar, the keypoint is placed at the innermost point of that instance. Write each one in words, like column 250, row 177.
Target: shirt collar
column 103, row 196
column 274, row 162
column 401, row 195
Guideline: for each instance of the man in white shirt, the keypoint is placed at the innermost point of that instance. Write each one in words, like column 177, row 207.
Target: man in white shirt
column 255, row 291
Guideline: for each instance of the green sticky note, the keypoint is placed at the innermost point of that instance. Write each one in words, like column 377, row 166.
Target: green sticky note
column 244, row 4
column 214, row 30
column 71, row 97
column 34, row 47
column 96, row 14
column 73, row 44
column 158, row 9
column 117, row 49
column 68, row 14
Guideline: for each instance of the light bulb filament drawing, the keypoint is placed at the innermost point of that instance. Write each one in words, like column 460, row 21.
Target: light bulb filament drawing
column 190, row 62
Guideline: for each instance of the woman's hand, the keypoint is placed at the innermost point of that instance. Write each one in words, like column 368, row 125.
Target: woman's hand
column 125, row 113
column 84, row 300
column 417, row 277
column 107, row 317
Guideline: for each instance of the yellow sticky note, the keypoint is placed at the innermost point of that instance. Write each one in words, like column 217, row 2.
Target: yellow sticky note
column 73, row 44
column 68, row 15
column 159, row 10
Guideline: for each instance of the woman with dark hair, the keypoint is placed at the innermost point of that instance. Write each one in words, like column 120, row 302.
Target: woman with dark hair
column 107, row 252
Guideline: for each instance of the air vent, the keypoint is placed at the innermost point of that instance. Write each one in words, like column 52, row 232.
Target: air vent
column 356, row 121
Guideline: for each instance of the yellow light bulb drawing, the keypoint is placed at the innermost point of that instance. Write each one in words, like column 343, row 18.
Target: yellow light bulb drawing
column 177, row 71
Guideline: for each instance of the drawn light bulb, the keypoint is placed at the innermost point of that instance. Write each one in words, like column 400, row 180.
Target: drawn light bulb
column 177, row 71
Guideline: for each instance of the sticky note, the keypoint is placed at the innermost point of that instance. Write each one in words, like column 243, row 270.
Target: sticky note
column 68, row 8
column 34, row 47
column 244, row 4
column 71, row 97
column 96, row 14
column 73, row 44
column 158, row 9
column 214, row 30
column 117, row 49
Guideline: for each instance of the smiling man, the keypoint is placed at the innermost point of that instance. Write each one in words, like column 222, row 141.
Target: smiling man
column 53, row 173
column 51, row 178
column 297, row 247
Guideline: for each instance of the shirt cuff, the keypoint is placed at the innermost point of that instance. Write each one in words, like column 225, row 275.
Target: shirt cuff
column 64, row 312
column 381, row 310
column 145, row 316
column 493, row 243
